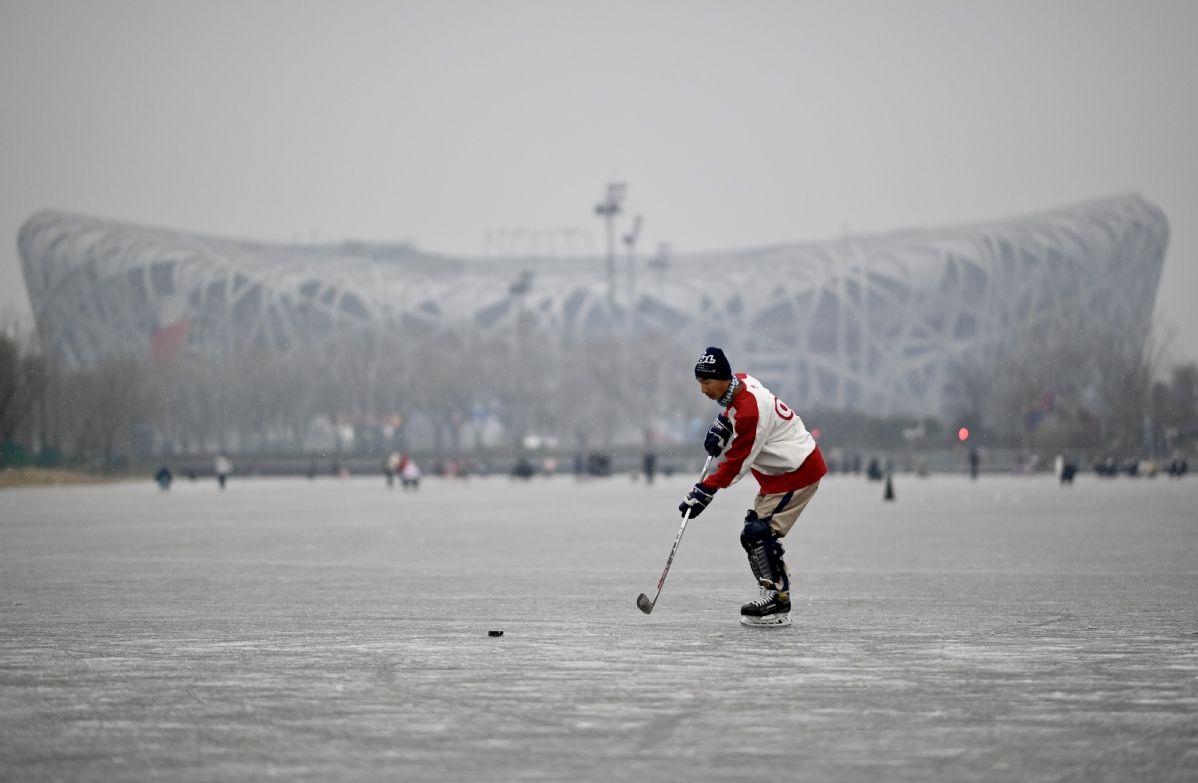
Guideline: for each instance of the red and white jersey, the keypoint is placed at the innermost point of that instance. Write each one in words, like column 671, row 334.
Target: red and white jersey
column 769, row 439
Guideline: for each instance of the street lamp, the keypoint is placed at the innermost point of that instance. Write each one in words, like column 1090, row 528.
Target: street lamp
column 630, row 242
column 520, row 419
column 608, row 209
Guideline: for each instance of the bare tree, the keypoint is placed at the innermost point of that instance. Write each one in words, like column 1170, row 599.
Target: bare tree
column 22, row 381
column 106, row 402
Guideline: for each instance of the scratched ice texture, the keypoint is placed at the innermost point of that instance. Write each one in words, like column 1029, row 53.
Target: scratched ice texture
column 1000, row 629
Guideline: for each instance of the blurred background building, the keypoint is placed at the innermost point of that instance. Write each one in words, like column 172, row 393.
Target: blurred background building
column 897, row 323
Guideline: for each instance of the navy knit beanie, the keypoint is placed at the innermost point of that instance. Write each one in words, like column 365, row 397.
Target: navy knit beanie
column 713, row 364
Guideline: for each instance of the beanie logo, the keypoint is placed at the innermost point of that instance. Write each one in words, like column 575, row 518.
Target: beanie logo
column 707, row 359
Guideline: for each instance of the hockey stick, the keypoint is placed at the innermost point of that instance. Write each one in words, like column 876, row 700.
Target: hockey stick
column 642, row 601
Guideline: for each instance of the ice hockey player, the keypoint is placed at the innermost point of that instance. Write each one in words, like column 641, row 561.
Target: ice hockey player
column 757, row 432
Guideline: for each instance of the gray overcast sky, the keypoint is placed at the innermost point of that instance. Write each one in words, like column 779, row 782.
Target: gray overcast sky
column 735, row 124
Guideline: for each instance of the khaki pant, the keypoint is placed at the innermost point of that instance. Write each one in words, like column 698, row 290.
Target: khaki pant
column 782, row 520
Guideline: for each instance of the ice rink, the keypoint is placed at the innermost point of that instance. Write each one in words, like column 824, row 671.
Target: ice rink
column 1003, row 629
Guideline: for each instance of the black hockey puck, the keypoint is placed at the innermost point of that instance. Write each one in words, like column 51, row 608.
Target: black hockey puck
column 494, row 633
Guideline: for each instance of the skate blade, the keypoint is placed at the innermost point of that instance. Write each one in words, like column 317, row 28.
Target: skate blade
column 769, row 621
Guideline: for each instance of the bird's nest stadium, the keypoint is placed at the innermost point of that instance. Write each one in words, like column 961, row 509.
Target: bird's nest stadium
column 872, row 322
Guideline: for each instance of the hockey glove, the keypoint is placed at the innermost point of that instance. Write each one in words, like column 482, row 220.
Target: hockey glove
column 696, row 500
column 718, row 436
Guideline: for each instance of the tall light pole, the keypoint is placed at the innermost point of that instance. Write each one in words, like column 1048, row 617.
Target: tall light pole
column 630, row 242
column 520, row 417
column 608, row 209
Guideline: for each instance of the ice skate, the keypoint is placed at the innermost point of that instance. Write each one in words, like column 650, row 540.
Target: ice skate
column 770, row 610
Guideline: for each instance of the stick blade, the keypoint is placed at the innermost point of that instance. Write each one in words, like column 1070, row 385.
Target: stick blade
column 644, row 604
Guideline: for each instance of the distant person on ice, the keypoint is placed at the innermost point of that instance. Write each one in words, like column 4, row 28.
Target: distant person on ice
column 222, row 468
column 391, row 465
column 409, row 474
column 757, row 432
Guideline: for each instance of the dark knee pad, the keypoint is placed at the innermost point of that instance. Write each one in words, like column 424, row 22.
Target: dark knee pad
column 765, row 552
column 755, row 532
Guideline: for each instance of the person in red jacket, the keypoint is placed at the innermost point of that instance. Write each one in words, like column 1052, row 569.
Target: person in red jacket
column 758, row 433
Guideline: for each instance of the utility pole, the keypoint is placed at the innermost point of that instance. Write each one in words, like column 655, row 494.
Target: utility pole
column 608, row 209
column 520, row 418
column 630, row 242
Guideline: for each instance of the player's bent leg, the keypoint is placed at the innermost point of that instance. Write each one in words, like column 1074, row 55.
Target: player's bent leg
column 765, row 553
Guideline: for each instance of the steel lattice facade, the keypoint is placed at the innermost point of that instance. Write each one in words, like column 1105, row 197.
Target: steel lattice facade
column 872, row 322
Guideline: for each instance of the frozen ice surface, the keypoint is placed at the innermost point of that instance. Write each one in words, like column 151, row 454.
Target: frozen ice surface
column 1003, row 629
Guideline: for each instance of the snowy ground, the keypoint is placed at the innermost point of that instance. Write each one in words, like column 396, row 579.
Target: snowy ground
column 1004, row 629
